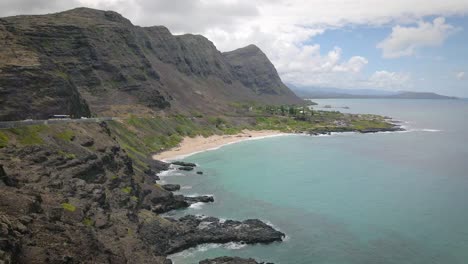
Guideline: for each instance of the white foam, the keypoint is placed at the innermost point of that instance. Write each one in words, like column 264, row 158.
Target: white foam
column 166, row 172
column 430, row 130
column 271, row 224
column 234, row 245
column 206, row 247
column 196, row 195
column 187, row 187
column 192, row 251
column 285, row 238
column 333, row 134
column 196, row 206
column 420, row 130
column 172, row 171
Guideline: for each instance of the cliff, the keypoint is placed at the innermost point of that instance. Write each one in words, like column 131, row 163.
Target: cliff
column 84, row 61
column 69, row 193
column 252, row 67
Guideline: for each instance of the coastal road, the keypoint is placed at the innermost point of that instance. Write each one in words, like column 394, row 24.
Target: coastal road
column 13, row 124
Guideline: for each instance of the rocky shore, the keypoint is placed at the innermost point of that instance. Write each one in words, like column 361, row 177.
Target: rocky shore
column 231, row 260
column 79, row 199
column 170, row 235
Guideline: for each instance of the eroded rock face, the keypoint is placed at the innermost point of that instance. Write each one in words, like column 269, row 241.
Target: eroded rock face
column 65, row 202
column 171, row 187
column 84, row 60
column 252, row 67
column 169, row 235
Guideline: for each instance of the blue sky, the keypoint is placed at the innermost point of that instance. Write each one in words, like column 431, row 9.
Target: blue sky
column 430, row 68
column 417, row 45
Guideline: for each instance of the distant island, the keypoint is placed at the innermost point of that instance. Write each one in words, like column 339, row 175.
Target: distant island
column 318, row 92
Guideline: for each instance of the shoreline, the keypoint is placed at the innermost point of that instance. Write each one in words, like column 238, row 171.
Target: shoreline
column 190, row 146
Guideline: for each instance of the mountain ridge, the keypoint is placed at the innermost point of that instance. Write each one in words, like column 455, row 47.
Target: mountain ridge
column 317, row 92
column 85, row 61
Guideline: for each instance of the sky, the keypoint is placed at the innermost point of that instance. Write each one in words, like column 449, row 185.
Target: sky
column 416, row 45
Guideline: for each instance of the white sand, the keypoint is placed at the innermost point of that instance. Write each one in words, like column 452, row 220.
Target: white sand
column 198, row 144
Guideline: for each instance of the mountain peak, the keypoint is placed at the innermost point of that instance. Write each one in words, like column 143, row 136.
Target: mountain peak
column 90, row 13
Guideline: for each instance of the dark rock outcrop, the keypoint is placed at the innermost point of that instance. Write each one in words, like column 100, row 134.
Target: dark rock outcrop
column 186, row 168
column 229, row 260
column 170, row 235
column 376, row 130
column 70, row 203
column 184, row 164
column 64, row 202
column 199, row 199
column 171, row 187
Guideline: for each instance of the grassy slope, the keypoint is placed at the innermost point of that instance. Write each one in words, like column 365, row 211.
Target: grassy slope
column 142, row 136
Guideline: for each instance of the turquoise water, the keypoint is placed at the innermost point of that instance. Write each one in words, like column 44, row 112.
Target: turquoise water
column 348, row 198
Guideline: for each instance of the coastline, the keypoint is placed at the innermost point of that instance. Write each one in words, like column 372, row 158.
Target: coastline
column 190, row 146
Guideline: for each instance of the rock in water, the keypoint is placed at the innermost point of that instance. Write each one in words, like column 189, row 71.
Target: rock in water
column 199, row 199
column 171, row 187
column 170, row 235
column 185, row 164
column 186, row 168
column 229, row 260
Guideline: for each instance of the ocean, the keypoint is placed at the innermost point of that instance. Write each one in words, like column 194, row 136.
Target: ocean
column 346, row 198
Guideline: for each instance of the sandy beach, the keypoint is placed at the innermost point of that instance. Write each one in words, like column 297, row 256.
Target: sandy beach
column 199, row 143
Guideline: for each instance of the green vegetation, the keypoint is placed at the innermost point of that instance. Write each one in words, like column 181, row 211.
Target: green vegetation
column 29, row 135
column 88, row 221
column 67, row 155
column 363, row 124
column 66, row 135
column 3, row 140
column 142, row 136
column 69, row 207
column 305, row 119
column 127, row 190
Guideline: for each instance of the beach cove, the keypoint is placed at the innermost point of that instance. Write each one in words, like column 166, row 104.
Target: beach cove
column 402, row 196
column 193, row 145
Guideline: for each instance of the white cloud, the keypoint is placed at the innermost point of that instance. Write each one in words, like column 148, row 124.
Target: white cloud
column 306, row 66
column 460, row 75
column 404, row 41
column 389, row 80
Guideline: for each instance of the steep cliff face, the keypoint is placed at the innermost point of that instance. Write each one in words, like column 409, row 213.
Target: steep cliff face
column 69, row 193
column 252, row 67
column 87, row 61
